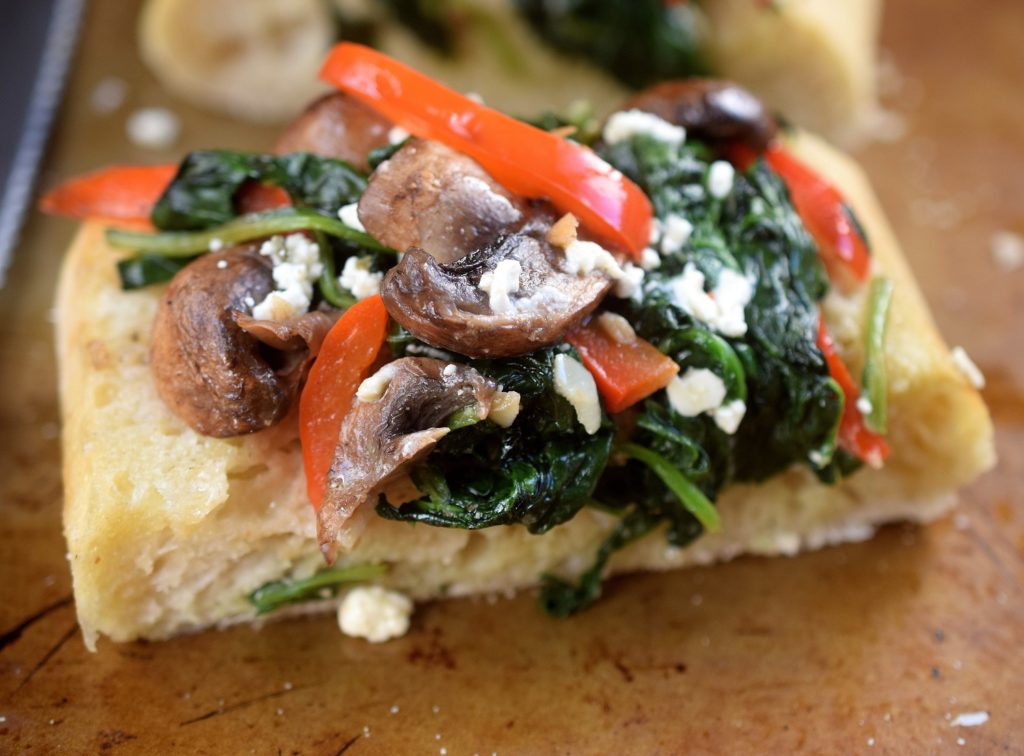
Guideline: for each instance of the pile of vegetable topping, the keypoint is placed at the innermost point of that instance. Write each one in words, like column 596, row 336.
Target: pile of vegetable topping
column 486, row 323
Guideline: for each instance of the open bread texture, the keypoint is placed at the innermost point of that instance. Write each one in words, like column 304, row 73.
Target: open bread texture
column 169, row 531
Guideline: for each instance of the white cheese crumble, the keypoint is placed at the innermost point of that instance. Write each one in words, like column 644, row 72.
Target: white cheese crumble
column 358, row 277
column 629, row 282
column 500, row 283
column 720, row 179
column 729, row 416
column 373, row 388
column 966, row 366
column 349, row 215
column 585, row 257
column 657, row 228
column 297, row 265
column 576, row 385
column 650, row 259
column 723, row 308
column 215, row 245
column 397, row 135
column 374, row 613
column 970, row 719
column 222, row 264
column 864, row 405
column 504, row 408
column 109, row 95
column 449, row 370
column 627, row 124
column 153, row 128
column 616, row 327
column 1007, row 250
column 697, row 391
column 676, row 234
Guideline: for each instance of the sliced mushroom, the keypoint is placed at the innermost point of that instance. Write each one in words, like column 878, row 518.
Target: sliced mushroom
column 445, row 305
column 712, row 110
column 430, row 197
column 219, row 370
column 292, row 345
column 336, row 126
column 389, row 430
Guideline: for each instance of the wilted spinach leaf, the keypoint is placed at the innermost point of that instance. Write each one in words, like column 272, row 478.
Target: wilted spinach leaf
column 638, row 41
column 539, row 472
column 202, row 194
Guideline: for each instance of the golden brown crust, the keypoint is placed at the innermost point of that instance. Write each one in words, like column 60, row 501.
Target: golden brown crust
column 169, row 531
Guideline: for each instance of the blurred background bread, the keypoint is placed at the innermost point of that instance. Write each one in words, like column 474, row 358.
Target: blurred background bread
column 812, row 60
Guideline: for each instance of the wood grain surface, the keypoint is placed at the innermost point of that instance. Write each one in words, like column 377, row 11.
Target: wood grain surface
column 870, row 648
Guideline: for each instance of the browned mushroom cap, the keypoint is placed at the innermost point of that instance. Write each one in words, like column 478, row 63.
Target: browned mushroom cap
column 216, row 368
column 712, row 110
column 430, row 197
column 444, row 305
column 383, row 435
column 336, row 126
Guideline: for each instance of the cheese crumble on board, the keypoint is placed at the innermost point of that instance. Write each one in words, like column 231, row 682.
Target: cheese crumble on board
column 374, row 613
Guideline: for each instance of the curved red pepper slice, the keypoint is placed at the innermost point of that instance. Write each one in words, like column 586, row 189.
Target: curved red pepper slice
column 854, row 435
column 527, row 160
column 624, row 373
column 349, row 351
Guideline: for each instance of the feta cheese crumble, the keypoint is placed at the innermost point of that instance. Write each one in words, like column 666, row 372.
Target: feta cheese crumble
column 617, row 328
column 864, row 405
column 966, row 366
column 374, row 613
column 504, row 408
column 677, row 231
column 576, row 385
column 585, row 257
column 296, row 266
column 349, row 215
column 721, row 175
column 500, row 283
column 109, row 95
column 697, row 391
column 650, row 259
column 700, row 391
column 723, row 308
column 153, row 128
column 359, row 278
column 627, row 124
column 729, row 416
column 1007, row 250
column 373, row 387
column 970, row 719
column 397, row 135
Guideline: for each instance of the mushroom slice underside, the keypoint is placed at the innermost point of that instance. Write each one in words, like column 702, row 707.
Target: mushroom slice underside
column 712, row 110
column 213, row 373
column 501, row 301
column 433, row 198
column 397, row 418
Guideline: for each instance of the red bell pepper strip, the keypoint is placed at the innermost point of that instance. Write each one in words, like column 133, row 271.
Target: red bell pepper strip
column 854, row 435
column 348, row 352
column 123, row 193
column 626, row 372
column 128, row 193
column 821, row 207
column 526, row 160
column 255, row 197
column 823, row 211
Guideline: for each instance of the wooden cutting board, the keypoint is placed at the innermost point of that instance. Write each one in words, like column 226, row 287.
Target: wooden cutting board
column 871, row 647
